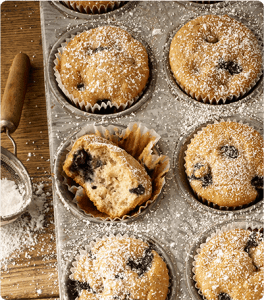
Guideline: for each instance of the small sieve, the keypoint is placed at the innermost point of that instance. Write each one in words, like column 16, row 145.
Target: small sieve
column 11, row 108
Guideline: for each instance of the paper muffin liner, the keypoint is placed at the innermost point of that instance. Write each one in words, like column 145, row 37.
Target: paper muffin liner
column 207, row 202
column 104, row 108
column 220, row 100
column 86, row 250
column 94, row 8
column 252, row 225
column 138, row 141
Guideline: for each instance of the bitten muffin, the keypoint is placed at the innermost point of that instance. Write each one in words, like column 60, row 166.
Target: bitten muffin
column 215, row 58
column 226, row 267
column 122, row 268
column 224, row 164
column 113, row 180
column 104, row 65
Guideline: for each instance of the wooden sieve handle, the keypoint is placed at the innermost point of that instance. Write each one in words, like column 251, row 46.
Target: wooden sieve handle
column 14, row 94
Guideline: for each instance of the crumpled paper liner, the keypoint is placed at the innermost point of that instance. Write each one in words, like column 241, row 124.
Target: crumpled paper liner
column 139, row 142
column 93, row 8
column 248, row 225
column 207, row 202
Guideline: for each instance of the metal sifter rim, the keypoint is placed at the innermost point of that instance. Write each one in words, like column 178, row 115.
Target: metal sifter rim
column 27, row 184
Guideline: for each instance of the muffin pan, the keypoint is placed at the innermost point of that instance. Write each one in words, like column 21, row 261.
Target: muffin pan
column 172, row 222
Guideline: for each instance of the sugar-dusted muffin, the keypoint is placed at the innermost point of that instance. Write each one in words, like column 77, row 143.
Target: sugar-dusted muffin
column 113, row 180
column 121, row 268
column 226, row 269
column 224, row 164
column 103, row 65
column 215, row 58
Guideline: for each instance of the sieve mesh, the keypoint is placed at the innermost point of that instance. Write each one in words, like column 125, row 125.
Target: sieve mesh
column 13, row 169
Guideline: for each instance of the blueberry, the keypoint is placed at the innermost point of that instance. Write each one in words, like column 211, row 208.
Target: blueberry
column 231, row 66
column 74, row 288
column 80, row 86
column 229, row 151
column 140, row 190
column 206, row 180
column 141, row 265
column 82, row 164
column 257, row 182
column 224, row 296
column 99, row 49
column 252, row 241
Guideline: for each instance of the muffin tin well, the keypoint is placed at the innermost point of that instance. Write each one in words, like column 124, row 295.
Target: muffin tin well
column 177, row 91
column 67, row 104
column 124, row 7
column 155, row 244
column 204, row 237
column 181, row 176
column 67, row 197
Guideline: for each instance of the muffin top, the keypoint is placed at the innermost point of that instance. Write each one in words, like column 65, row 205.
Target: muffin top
column 104, row 64
column 224, row 163
column 215, row 57
column 226, row 266
column 122, row 268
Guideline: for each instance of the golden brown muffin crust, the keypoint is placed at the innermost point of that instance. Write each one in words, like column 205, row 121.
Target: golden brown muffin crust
column 224, row 163
column 104, row 64
column 125, row 267
column 224, row 267
column 214, row 57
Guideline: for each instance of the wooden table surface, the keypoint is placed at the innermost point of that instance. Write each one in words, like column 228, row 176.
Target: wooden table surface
column 34, row 274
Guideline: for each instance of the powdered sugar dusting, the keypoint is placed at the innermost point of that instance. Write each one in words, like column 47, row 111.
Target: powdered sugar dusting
column 23, row 233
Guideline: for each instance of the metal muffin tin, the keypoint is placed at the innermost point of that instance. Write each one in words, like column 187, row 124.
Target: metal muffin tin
column 203, row 238
column 172, row 222
column 155, row 244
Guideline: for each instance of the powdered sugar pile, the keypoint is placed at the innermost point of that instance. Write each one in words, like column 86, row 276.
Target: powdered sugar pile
column 11, row 197
column 22, row 233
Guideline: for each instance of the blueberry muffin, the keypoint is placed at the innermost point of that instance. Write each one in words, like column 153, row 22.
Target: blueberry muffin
column 224, row 164
column 103, row 65
column 93, row 7
column 215, row 59
column 121, row 268
column 230, row 266
column 113, row 180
